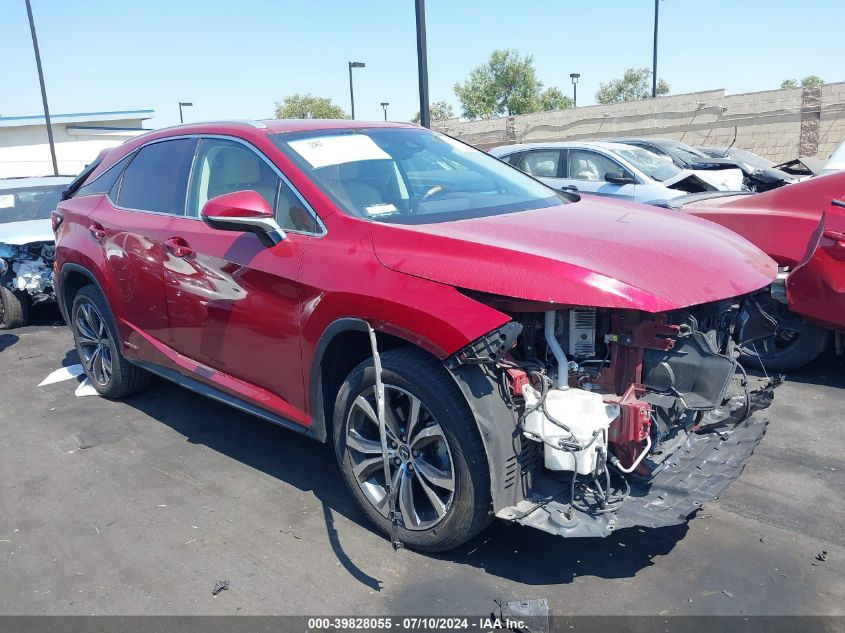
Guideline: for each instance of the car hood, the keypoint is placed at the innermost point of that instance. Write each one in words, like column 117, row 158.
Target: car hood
column 722, row 179
column 597, row 252
column 26, row 232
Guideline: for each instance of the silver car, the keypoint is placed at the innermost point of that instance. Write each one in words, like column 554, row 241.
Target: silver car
column 602, row 168
column 27, row 245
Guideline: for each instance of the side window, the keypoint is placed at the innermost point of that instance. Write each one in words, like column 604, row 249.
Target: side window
column 104, row 183
column 540, row 163
column 291, row 213
column 223, row 166
column 592, row 166
column 157, row 178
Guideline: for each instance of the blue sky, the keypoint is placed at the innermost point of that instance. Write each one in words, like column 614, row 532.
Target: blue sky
column 235, row 59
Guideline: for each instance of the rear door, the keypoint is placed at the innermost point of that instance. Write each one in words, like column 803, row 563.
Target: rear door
column 131, row 224
column 233, row 302
column 586, row 170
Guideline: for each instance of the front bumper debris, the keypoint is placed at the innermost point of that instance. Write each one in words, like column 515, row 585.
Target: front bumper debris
column 697, row 472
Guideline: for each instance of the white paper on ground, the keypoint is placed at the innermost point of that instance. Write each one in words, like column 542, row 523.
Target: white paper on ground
column 62, row 373
column 85, row 388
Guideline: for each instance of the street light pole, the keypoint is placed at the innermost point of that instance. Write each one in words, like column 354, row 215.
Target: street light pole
column 574, row 77
column 422, row 64
column 654, row 63
column 186, row 104
column 43, row 89
column 384, row 105
column 351, row 92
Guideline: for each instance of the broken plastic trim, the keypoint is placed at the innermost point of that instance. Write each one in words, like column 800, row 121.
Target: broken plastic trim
column 489, row 348
column 28, row 268
column 696, row 473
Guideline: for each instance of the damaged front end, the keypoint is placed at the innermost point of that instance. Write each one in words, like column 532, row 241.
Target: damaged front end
column 622, row 418
column 28, row 268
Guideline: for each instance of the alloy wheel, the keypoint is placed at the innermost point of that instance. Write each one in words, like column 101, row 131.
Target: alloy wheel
column 94, row 343
column 421, row 466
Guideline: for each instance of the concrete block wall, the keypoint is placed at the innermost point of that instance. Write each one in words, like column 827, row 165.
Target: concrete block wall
column 771, row 123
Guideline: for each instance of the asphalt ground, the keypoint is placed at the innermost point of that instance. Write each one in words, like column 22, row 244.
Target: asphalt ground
column 140, row 506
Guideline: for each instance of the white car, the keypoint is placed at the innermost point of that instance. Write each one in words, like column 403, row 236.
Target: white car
column 602, row 168
column 27, row 244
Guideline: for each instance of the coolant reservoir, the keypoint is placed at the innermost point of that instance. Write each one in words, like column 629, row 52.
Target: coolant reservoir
column 581, row 411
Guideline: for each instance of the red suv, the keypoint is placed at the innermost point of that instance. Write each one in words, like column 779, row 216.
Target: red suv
column 473, row 343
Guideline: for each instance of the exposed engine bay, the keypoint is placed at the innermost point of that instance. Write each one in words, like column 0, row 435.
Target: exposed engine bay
column 28, row 268
column 628, row 418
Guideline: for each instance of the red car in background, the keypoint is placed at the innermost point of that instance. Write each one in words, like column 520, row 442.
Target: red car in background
column 802, row 227
column 472, row 343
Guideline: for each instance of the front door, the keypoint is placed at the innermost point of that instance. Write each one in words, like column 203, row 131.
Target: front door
column 586, row 170
column 233, row 303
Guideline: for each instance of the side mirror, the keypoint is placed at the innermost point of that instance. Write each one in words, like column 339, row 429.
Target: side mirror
column 618, row 178
column 243, row 211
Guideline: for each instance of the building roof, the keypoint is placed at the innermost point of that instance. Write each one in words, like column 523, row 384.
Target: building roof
column 7, row 184
column 76, row 117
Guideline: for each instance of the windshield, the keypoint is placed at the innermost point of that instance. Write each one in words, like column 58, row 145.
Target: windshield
column 649, row 163
column 685, row 152
column 33, row 203
column 748, row 158
column 411, row 175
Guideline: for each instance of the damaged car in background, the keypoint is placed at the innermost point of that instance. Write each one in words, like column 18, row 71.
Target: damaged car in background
column 26, row 245
column 723, row 173
column 475, row 344
column 801, row 227
column 760, row 173
column 605, row 169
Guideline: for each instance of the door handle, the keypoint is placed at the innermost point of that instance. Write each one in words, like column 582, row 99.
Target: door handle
column 97, row 231
column 178, row 247
column 569, row 188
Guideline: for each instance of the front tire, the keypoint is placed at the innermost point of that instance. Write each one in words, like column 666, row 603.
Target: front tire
column 795, row 343
column 97, row 343
column 437, row 460
column 14, row 309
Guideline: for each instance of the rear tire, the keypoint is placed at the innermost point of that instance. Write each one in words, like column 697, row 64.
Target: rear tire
column 795, row 344
column 442, row 476
column 98, row 345
column 14, row 308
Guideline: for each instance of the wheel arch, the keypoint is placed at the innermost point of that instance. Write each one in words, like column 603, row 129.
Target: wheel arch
column 509, row 463
column 72, row 278
column 342, row 346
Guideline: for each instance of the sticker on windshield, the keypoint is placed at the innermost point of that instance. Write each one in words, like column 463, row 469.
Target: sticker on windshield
column 381, row 209
column 336, row 150
column 7, row 201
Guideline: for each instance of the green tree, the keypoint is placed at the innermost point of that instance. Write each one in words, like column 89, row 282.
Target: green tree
column 808, row 82
column 307, row 106
column 506, row 84
column 635, row 84
column 553, row 99
column 438, row 111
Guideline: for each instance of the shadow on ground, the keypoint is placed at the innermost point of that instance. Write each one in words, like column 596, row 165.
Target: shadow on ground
column 532, row 557
column 7, row 340
column 283, row 454
column 509, row 551
column 828, row 370
column 45, row 314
